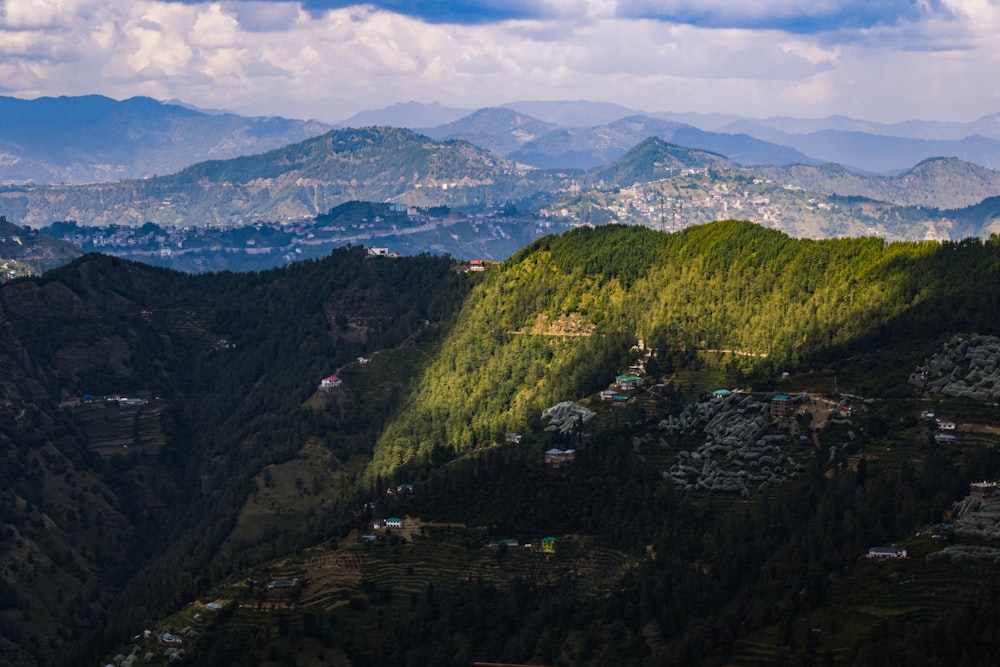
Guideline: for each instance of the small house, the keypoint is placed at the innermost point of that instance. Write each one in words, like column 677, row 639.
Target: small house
column 557, row 457
column 476, row 265
column 608, row 395
column 394, row 522
column 983, row 491
column 331, row 382
column 888, row 552
column 782, row 406
column 548, row 545
column 628, row 382
column 284, row 583
column 514, row 438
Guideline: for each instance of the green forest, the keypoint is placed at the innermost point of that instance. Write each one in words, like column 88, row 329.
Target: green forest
column 166, row 445
column 771, row 302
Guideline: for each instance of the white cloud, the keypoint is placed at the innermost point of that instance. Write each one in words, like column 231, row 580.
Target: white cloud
column 810, row 51
column 268, row 58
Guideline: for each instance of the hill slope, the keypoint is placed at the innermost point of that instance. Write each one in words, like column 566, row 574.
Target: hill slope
column 25, row 251
column 106, row 500
column 557, row 318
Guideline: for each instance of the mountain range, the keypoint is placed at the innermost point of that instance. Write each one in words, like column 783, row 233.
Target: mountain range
column 301, row 181
column 640, row 170
column 860, row 145
column 94, row 139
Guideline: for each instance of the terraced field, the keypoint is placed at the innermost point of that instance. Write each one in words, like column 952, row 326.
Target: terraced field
column 912, row 591
column 399, row 565
column 115, row 426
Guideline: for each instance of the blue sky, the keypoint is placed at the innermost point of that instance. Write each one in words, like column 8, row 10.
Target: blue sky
column 883, row 60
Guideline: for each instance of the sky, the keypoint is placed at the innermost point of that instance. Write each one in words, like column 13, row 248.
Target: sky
column 878, row 60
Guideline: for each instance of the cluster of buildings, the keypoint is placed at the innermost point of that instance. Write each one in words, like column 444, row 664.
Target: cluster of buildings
column 662, row 204
column 625, row 382
column 87, row 399
column 548, row 544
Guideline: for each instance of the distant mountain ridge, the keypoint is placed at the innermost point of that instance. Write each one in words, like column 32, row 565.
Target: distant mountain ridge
column 935, row 182
column 614, row 139
column 384, row 164
column 410, row 115
column 581, row 138
column 878, row 153
column 94, row 139
column 496, row 128
column 297, row 181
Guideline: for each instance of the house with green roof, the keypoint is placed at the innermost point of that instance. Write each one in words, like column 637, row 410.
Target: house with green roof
column 782, row 406
column 628, row 382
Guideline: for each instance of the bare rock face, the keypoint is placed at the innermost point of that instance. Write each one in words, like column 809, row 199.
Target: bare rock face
column 967, row 366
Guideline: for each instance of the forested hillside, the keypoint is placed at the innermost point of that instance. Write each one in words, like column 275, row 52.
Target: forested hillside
column 113, row 510
column 171, row 462
column 558, row 317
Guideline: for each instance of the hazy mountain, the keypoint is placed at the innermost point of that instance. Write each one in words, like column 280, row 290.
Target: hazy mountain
column 987, row 126
column 654, row 159
column 406, row 114
column 297, row 181
column 301, row 181
column 594, row 146
column 937, row 182
column 876, row 153
column 658, row 185
column 581, row 113
column 97, row 139
column 498, row 129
